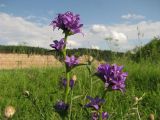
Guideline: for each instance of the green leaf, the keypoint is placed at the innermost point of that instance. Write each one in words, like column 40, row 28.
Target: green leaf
column 76, row 97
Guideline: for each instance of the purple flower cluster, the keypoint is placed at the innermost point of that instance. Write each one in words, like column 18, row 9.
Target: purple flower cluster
column 58, row 45
column 95, row 116
column 71, row 61
column 71, row 83
column 112, row 76
column 61, row 106
column 68, row 22
column 95, row 103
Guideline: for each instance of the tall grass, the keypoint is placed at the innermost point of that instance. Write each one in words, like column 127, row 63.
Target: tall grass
column 43, row 85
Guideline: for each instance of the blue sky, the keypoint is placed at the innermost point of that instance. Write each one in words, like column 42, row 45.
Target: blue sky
column 101, row 17
column 91, row 11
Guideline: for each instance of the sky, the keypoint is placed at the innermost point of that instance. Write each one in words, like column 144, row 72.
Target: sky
column 27, row 22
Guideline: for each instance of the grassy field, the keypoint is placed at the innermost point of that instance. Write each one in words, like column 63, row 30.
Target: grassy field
column 43, row 85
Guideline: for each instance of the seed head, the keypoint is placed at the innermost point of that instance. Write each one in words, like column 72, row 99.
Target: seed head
column 135, row 99
column 151, row 116
column 9, row 111
column 26, row 93
column 74, row 77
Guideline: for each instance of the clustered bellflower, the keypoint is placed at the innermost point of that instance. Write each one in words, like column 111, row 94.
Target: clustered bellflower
column 58, row 45
column 71, row 83
column 71, row 61
column 95, row 103
column 112, row 76
column 68, row 22
column 95, row 116
column 61, row 106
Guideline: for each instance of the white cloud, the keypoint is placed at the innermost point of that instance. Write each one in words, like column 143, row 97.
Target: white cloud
column 2, row 5
column 39, row 20
column 98, row 28
column 121, row 38
column 95, row 47
column 72, row 44
column 126, row 34
column 148, row 28
column 16, row 30
column 132, row 16
column 106, row 32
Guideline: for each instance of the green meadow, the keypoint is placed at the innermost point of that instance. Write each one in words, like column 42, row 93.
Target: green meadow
column 34, row 91
column 44, row 91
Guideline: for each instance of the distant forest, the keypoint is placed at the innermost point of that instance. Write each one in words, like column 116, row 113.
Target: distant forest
column 149, row 51
column 98, row 54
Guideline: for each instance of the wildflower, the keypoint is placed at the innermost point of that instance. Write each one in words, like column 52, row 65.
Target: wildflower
column 68, row 22
column 105, row 115
column 74, row 77
column 58, row 45
column 118, row 85
column 9, row 111
column 103, row 72
column 61, row 106
column 95, row 103
column 71, row 83
column 95, row 116
column 112, row 76
column 71, row 61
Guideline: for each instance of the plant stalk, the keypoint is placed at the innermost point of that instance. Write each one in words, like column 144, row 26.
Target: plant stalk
column 139, row 117
column 100, row 114
column 67, row 71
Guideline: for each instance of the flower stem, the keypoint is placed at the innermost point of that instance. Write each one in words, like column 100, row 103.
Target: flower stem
column 67, row 87
column 100, row 114
column 91, row 85
column 70, row 109
column 104, row 94
column 139, row 117
column 64, row 50
column 90, row 76
column 101, row 109
column 67, row 71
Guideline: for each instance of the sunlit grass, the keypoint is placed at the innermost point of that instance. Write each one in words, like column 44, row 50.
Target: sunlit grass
column 43, row 85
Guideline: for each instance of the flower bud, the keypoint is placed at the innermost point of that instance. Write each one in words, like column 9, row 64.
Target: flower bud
column 61, row 106
column 74, row 77
column 26, row 93
column 151, row 117
column 9, row 112
column 90, row 59
column 135, row 99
